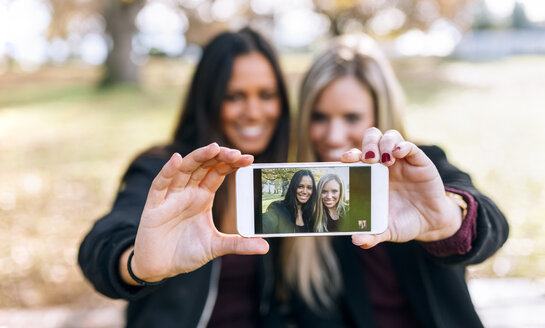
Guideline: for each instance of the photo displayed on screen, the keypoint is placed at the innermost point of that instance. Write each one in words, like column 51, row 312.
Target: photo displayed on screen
column 302, row 200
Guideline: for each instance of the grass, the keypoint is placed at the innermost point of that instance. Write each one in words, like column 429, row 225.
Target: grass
column 268, row 199
column 64, row 146
column 489, row 118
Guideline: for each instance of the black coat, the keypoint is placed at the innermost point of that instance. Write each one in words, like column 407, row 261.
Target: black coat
column 435, row 287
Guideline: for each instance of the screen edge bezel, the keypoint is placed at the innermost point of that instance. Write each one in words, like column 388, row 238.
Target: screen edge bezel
column 379, row 196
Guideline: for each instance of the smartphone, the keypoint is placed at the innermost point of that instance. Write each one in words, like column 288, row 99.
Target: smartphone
column 311, row 199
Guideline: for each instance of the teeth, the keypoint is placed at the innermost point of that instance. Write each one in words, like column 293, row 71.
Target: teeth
column 251, row 131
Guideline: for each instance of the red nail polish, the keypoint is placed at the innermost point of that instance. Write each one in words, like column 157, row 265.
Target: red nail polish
column 385, row 157
column 369, row 155
column 397, row 148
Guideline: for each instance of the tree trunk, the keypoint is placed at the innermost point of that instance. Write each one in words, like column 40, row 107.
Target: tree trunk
column 120, row 25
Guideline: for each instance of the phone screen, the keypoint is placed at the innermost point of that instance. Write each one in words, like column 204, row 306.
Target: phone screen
column 312, row 199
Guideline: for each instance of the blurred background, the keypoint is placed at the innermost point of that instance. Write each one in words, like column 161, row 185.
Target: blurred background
column 87, row 84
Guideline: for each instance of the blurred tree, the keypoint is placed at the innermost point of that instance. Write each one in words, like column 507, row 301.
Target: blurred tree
column 519, row 20
column 391, row 17
column 201, row 30
column 67, row 13
column 280, row 178
column 120, row 25
column 118, row 20
column 483, row 19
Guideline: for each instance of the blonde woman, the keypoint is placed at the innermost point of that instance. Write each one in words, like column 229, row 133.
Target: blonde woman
column 332, row 205
column 350, row 110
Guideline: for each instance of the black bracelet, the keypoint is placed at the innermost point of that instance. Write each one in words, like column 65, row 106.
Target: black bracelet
column 135, row 278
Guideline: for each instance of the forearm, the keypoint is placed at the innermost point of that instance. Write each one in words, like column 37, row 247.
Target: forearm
column 99, row 258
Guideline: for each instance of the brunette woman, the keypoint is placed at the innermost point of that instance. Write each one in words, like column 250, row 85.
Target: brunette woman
column 160, row 246
column 295, row 213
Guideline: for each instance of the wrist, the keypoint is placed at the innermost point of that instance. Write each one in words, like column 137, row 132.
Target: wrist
column 457, row 212
column 128, row 270
column 458, row 200
column 447, row 222
column 137, row 278
column 461, row 242
column 123, row 269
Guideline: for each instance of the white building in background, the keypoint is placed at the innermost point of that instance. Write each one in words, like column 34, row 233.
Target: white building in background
column 493, row 44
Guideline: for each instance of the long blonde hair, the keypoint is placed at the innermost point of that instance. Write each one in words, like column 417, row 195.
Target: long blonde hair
column 321, row 218
column 311, row 267
column 358, row 56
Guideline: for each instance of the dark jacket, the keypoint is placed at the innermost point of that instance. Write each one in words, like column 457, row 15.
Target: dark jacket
column 183, row 301
column 277, row 219
column 435, row 287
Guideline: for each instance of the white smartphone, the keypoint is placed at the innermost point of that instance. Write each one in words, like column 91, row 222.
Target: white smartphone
column 311, row 199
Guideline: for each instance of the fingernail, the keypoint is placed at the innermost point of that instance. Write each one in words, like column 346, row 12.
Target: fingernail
column 175, row 155
column 385, row 158
column 397, row 148
column 356, row 241
column 369, row 154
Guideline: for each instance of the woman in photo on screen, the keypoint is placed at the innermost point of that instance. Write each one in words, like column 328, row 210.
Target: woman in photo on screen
column 296, row 211
column 331, row 205
column 413, row 274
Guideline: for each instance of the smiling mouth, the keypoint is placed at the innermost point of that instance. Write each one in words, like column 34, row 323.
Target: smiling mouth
column 251, row 131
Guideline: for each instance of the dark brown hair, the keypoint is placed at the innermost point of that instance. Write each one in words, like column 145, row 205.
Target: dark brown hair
column 199, row 123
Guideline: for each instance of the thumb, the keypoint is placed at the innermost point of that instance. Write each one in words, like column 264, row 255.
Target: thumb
column 235, row 244
column 367, row 241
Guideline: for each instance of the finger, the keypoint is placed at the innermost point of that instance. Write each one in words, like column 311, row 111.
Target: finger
column 198, row 157
column 387, row 144
column 192, row 162
column 183, row 180
column 366, row 241
column 410, row 152
column 162, row 181
column 234, row 244
column 369, row 147
column 351, row 156
column 215, row 176
column 226, row 155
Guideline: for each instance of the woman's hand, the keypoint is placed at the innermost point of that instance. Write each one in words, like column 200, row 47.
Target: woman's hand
column 418, row 206
column 176, row 232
